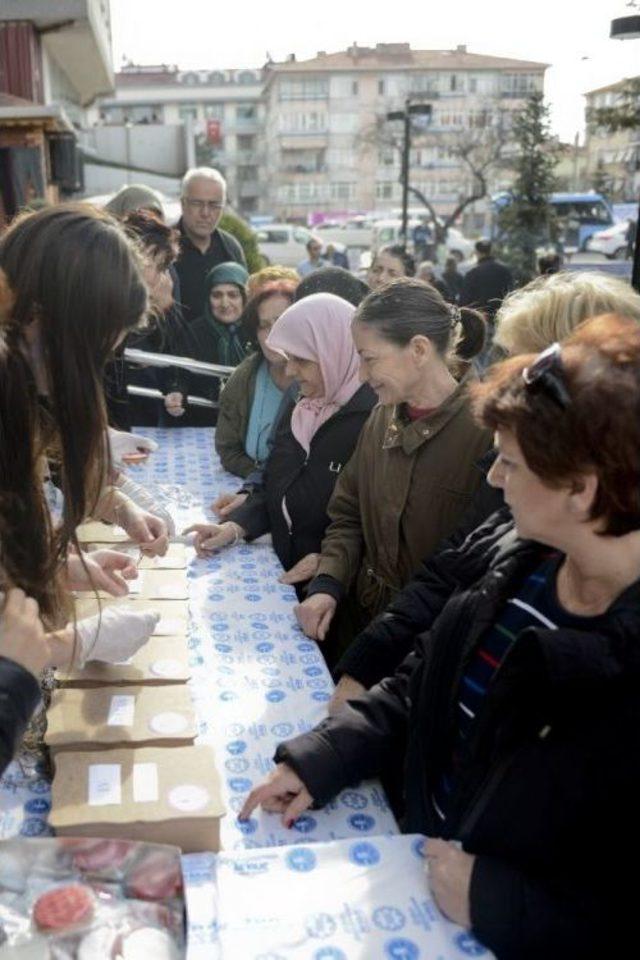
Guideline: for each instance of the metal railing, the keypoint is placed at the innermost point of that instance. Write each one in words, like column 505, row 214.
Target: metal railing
column 163, row 360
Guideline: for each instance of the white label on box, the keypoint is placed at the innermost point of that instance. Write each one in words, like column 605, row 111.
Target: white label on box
column 104, row 784
column 188, row 797
column 167, row 626
column 121, row 710
column 145, row 782
column 168, row 723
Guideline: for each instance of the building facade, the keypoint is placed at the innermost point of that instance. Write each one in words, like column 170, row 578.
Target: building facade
column 329, row 147
column 613, row 159
column 219, row 112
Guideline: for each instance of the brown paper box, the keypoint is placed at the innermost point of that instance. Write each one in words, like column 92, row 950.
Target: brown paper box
column 162, row 660
column 102, row 718
column 157, row 585
column 175, row 798
column 174, row 614
column 95, row 531
column 174, row 559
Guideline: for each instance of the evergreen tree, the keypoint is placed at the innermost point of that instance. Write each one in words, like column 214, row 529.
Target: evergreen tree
column 526, row 221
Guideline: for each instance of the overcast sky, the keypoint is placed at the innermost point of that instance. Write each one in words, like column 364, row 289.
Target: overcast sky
column 570, row 35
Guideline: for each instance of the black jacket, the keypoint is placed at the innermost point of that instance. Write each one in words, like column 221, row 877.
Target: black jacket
column 193, row 266
column 307, row 482
column 486, row 285
column 380, row 648
column 547, row 798
column 19, row 696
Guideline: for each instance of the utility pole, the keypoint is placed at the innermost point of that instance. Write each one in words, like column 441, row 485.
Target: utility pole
column 410, row 110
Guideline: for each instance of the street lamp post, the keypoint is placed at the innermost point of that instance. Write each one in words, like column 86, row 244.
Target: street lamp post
column 410, row 110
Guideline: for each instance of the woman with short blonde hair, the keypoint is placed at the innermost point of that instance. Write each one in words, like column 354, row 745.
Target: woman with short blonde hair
column 550, row 308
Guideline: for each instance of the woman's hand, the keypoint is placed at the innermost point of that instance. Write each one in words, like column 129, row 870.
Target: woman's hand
column 148, row 531
column 282, row 792
column 227, row 502
column 129, row 447
column 106, row 570
column 347, row 689
column 213, row 536
column 22, row 636
column 315, row 614
column 174, row 404
column 449, row 870
column 303, row 570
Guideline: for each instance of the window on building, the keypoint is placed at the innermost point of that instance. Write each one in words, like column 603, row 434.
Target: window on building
column 381, row 88
column 312, row 89
column 214, row 111
column 312, row 121
column 216, row 78
column 247, row 173
column 187, row 111
column 246, row 141
column 246, row 111
column 191, row 79
column 472, row 85
column 246, row 77
column 354, row 88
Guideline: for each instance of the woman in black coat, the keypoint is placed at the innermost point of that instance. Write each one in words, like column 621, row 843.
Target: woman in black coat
column 315, row 437
column 517, row 716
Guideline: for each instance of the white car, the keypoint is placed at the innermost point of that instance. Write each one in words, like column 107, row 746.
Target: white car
column 388, row 231
column 612, row 242
column 284, row 243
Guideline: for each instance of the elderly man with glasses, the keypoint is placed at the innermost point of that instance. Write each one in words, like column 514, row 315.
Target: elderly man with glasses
column 202, row 244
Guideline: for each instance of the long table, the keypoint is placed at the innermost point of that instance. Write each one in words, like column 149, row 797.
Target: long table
column 256, row 679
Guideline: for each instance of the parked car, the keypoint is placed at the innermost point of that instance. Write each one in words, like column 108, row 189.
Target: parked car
column 388, row 231
column 283, row 243
column 612, row 241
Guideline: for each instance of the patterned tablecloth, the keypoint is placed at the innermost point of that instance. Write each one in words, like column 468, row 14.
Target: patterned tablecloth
column 256, row 678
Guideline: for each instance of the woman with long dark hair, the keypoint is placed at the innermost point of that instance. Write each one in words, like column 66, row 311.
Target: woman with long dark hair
column 71, row 287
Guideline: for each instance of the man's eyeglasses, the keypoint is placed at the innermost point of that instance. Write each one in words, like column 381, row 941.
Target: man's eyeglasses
column 202, row 205
column 547, row 373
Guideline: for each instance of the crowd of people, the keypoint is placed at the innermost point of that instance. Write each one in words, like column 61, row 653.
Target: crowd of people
column 464, row 541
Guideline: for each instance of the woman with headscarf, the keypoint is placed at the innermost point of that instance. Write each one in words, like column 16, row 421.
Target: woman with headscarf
column 315, row 437
column 215, row 337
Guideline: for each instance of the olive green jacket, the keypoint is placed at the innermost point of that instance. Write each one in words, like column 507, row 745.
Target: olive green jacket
column 233, row 416
column 404, row 490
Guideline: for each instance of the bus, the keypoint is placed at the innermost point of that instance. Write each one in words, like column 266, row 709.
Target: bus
column 577, row 217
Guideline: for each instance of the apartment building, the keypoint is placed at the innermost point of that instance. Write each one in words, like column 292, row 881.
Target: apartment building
column 326, row 144
column 613, row 159
column 218, row 111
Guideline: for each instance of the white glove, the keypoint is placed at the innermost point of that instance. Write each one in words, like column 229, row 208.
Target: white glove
column 115, row 635
column 123, row 445
column 143, row 498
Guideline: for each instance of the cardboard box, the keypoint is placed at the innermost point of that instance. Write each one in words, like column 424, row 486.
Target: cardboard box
column 102, row 718
column 156, row 585
column 174, row 559
column 162, row 660
column 95, row 531
column 167, row 796
column 174, row 614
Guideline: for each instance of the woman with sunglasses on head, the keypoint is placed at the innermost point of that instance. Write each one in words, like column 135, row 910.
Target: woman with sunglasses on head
column 71, row 287
column 529, row 320
column 515, row 723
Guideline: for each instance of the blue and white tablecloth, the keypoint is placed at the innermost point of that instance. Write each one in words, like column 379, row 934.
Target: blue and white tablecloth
column 256, row 678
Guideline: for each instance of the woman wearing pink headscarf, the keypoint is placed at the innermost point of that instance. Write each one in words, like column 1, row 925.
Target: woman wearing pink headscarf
column 315, row 437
